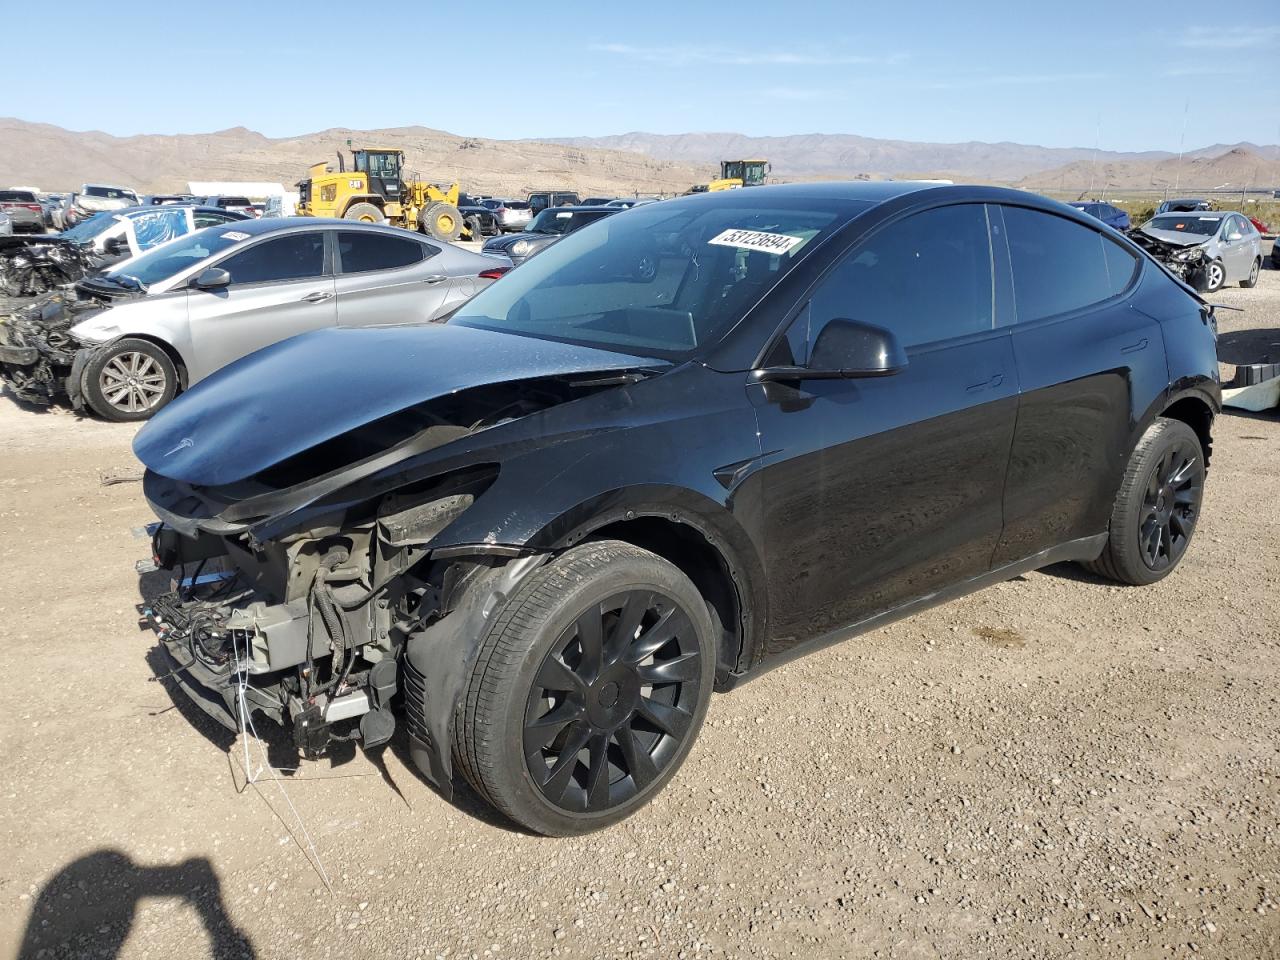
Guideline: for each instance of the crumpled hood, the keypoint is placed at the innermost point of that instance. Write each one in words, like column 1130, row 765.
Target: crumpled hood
column 1176, row 238
column 295, row 394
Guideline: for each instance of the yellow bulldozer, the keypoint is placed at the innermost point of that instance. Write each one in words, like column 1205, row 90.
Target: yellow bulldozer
column 740, row 173
column 374, row 191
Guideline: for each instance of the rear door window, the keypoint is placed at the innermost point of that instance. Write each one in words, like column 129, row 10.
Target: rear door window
column 926, row 278
column 205, row 218
column 298, row 256
column 1059, row 266
column 359, row 252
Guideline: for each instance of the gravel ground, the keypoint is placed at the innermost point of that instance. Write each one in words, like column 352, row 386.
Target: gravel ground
column 1053, row 767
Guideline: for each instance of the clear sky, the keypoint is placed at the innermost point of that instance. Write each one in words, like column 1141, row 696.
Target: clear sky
column 1056, row 74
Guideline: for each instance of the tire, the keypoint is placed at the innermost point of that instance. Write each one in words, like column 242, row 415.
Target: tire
column 533, row 667
column 1158, row 503
column 474, row 230
column 1215, row 275
column 1252, row 280
column 365, row 213
column 442, row 221
column 129, row 381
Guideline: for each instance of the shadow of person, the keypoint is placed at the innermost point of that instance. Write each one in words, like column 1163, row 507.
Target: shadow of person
column 87, row 908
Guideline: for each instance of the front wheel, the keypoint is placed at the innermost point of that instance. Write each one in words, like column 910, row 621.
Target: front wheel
column 1157, row 506
column 1215, row 275
column 588, row 690
column 130, row 380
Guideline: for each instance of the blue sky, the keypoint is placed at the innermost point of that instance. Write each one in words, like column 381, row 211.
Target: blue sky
column 1052, row 74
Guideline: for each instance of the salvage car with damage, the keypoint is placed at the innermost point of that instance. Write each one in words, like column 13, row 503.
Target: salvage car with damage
column 1207, row 250
column 676, row 449
column 131, row 339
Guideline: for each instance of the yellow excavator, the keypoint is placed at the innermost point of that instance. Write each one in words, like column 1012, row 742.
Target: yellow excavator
column 375, row 191
column 740, row 173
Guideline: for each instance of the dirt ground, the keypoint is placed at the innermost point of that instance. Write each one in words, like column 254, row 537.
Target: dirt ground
column 1055, row 766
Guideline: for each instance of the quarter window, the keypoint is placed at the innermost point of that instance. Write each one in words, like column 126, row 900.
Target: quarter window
column 359, row 252
column 926, row 278
column 1058, row 265
column 293, row 257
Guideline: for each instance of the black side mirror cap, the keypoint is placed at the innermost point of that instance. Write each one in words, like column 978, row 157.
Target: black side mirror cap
column 211, row 278
column 845, row 350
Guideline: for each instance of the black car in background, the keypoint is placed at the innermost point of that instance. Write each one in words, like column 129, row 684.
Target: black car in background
column 539, row 200
column 544, row 230
column 480, row 220
column 676, row 449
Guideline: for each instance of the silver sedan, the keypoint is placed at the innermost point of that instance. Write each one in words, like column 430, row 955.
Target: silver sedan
column 182, row 310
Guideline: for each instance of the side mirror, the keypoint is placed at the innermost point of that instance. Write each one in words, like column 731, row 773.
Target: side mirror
column 846, row 349
column 117, row 247
column 211, row 278
column 1235, row 236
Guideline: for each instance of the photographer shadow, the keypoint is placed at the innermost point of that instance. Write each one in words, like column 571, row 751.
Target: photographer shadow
column 89, row 905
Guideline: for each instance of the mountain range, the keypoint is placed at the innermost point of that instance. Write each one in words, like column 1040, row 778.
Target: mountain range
column 55, row 159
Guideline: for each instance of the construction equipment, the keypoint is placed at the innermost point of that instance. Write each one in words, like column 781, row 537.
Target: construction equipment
column 374, row 191
column 740, row 173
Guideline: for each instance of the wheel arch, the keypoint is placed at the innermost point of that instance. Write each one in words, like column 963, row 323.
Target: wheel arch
column 697, row 536
column 172, row 352
column 1196, row 411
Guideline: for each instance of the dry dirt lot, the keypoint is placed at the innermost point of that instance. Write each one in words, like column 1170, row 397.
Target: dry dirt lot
column 1055, row 766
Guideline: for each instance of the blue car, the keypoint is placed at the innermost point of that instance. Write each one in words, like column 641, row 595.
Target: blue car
column 1111, row 216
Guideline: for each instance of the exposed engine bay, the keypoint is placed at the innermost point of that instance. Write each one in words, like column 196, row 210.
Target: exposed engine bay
column 1188, row 262
column 33, row 265
column 40, row 359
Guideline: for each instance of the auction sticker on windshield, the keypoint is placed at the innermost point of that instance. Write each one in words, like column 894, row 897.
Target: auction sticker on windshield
column 756, row 240
column 235, row 235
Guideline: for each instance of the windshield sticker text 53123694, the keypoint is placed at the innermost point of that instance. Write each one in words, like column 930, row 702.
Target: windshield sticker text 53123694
column 755, row 240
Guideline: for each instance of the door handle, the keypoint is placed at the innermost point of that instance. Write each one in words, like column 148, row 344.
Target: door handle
column 992, row 383
column 1135, row 347
column 320, row 296
column 435, row 278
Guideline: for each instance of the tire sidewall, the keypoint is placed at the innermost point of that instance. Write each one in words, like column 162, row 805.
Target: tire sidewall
column 90, row 384
column 528, row 803
column 1209, row 285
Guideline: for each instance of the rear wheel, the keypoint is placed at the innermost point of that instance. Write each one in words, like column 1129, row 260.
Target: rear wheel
column 130, row 380
column 588, row 690
column 443, row 221
column 474, row 229
column 365, row 213
column 1252, row 279
column 1157, row 506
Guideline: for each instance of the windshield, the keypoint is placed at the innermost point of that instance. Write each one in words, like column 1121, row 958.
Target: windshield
column 86, row 230
column 663, row 281
column 164, row 261
column 111, row 193
column 557, row 221
column 1183, row 223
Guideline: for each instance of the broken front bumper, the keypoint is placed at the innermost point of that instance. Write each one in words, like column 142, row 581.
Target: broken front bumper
column 37, row 371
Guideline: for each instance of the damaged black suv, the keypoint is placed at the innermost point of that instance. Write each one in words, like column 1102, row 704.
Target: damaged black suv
column 677, row 448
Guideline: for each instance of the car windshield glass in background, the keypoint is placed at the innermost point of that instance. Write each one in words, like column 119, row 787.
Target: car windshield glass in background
column 86, row 230
column 1201, row 226
column 516, row 205
column 164, row 261
column 293, row 257
column 376, row 251
column 662, row 281
column 553, row 220
column 17, row 196
column 110, row 193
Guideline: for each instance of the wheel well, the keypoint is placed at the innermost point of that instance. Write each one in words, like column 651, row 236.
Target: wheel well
column 1196, row 414
column 169, row 351
column 687, row 549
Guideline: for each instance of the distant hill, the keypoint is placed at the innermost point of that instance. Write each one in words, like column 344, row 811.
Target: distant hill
column 54, row 159
column 1235, row 168
column 805, row 156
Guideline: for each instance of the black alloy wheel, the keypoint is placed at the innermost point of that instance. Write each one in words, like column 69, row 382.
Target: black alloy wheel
column 1170, row 506
column 612, row 702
